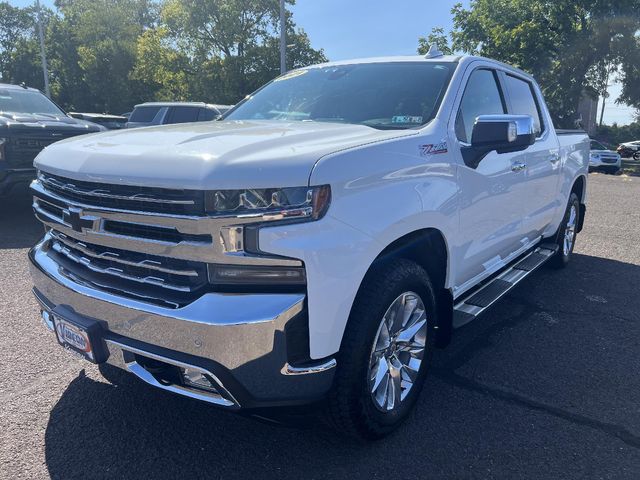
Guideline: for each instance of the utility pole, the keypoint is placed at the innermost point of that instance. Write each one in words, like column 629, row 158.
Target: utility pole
column 43, row 54
column 283, row 39
column 605, row 94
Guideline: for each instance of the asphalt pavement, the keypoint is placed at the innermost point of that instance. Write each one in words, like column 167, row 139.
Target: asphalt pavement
column 545, row 385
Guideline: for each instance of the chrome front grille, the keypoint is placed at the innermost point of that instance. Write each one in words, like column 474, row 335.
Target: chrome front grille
column 125, row 197
column 142, row 275
column 114, row 238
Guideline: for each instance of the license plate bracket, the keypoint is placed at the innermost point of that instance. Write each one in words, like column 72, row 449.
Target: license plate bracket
column 81, row 335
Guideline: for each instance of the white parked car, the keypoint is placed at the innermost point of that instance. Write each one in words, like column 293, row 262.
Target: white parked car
column 318, row 244
column 601, row 158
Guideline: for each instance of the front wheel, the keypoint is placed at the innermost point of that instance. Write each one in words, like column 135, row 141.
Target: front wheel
column 636, row 155
column 566, row 236
column 385, row 352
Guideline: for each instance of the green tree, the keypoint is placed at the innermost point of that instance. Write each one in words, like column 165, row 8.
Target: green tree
column 565, row 44
column 19, row 50
column 92, row 45
column 437, row 37
column 224, row 49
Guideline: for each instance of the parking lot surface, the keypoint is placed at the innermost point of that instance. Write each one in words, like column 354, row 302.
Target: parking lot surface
column 545, row 385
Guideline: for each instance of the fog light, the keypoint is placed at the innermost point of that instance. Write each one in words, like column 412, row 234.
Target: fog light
column 197, row 379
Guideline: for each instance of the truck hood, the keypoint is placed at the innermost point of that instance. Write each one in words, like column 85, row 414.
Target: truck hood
column 207, row 155
column 11, row 122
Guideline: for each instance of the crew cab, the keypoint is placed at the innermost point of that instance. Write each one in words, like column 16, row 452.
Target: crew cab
column 29, row 121
column 316, row 245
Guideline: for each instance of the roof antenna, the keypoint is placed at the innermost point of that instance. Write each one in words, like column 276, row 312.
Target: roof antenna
column 433, row 52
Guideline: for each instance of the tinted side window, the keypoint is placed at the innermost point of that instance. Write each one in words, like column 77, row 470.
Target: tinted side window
column 182, row 114
column 481, row 97
column 206, row 114
column 523, row 101
column 144, row 114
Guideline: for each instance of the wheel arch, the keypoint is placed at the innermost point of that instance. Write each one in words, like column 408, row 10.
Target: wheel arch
column 580, row 189
column 428, row 247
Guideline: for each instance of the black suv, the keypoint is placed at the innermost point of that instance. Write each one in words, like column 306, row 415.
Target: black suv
column 29, row 121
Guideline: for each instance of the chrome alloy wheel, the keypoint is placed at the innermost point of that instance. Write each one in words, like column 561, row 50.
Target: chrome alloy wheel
column 398, row 351
column 570, row 231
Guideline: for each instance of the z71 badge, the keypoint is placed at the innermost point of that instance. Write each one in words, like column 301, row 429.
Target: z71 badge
column 432, row 149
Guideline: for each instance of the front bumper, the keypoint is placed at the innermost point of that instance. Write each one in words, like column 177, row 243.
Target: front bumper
column 597, row 162
column 11, row 178
column 242, row 340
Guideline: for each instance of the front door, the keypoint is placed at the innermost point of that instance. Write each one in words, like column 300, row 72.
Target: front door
column 490, row 194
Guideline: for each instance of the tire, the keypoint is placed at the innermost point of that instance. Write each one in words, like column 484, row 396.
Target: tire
column 567, row 233
column 352, row 408
column 612, row 170
column 636, row 155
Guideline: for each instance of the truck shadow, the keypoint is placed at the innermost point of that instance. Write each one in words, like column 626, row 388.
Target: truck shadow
column 465, row 419
column 18, row 226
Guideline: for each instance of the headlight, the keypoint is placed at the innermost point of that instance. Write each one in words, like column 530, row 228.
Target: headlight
column 271, row 203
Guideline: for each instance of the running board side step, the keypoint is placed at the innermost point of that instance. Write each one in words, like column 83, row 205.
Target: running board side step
column 474, row 304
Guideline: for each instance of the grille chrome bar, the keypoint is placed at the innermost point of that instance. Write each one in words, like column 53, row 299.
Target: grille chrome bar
column 116, row 257
column 104, row 193
column 149, row 280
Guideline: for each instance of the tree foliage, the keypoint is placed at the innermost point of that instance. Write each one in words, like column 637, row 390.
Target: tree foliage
column 107, row 55
column 219, row 50
column 568, row 45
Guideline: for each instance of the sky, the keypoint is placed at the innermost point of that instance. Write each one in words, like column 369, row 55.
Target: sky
column 365, row 28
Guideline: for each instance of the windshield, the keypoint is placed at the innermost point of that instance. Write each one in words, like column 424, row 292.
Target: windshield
column 27, row 101
column 380, row 95
column 595, row 145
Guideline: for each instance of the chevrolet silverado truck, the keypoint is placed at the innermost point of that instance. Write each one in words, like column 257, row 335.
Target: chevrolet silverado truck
column 317, row 244
column 29, row 121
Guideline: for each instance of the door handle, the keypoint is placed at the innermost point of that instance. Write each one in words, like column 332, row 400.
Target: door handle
column 518, row 166
column 555, row 158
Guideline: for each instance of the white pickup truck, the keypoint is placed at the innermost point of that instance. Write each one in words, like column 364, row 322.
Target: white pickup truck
column 316, row 245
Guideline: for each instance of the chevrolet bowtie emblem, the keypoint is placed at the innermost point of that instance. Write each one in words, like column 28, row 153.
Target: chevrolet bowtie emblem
column 72, row 216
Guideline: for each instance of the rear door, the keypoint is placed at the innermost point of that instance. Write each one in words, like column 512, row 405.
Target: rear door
column 541, row 176
column 491, row 207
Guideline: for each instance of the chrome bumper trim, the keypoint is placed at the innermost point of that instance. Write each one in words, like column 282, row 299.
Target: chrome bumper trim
column 225, row 399
column 310, row 369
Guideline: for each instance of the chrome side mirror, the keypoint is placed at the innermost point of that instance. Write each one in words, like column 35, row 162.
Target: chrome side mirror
column 500, row 133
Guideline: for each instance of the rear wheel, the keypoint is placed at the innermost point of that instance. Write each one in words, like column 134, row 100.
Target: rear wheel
column 566, row 236
column 386, row 351
column 636, row 155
